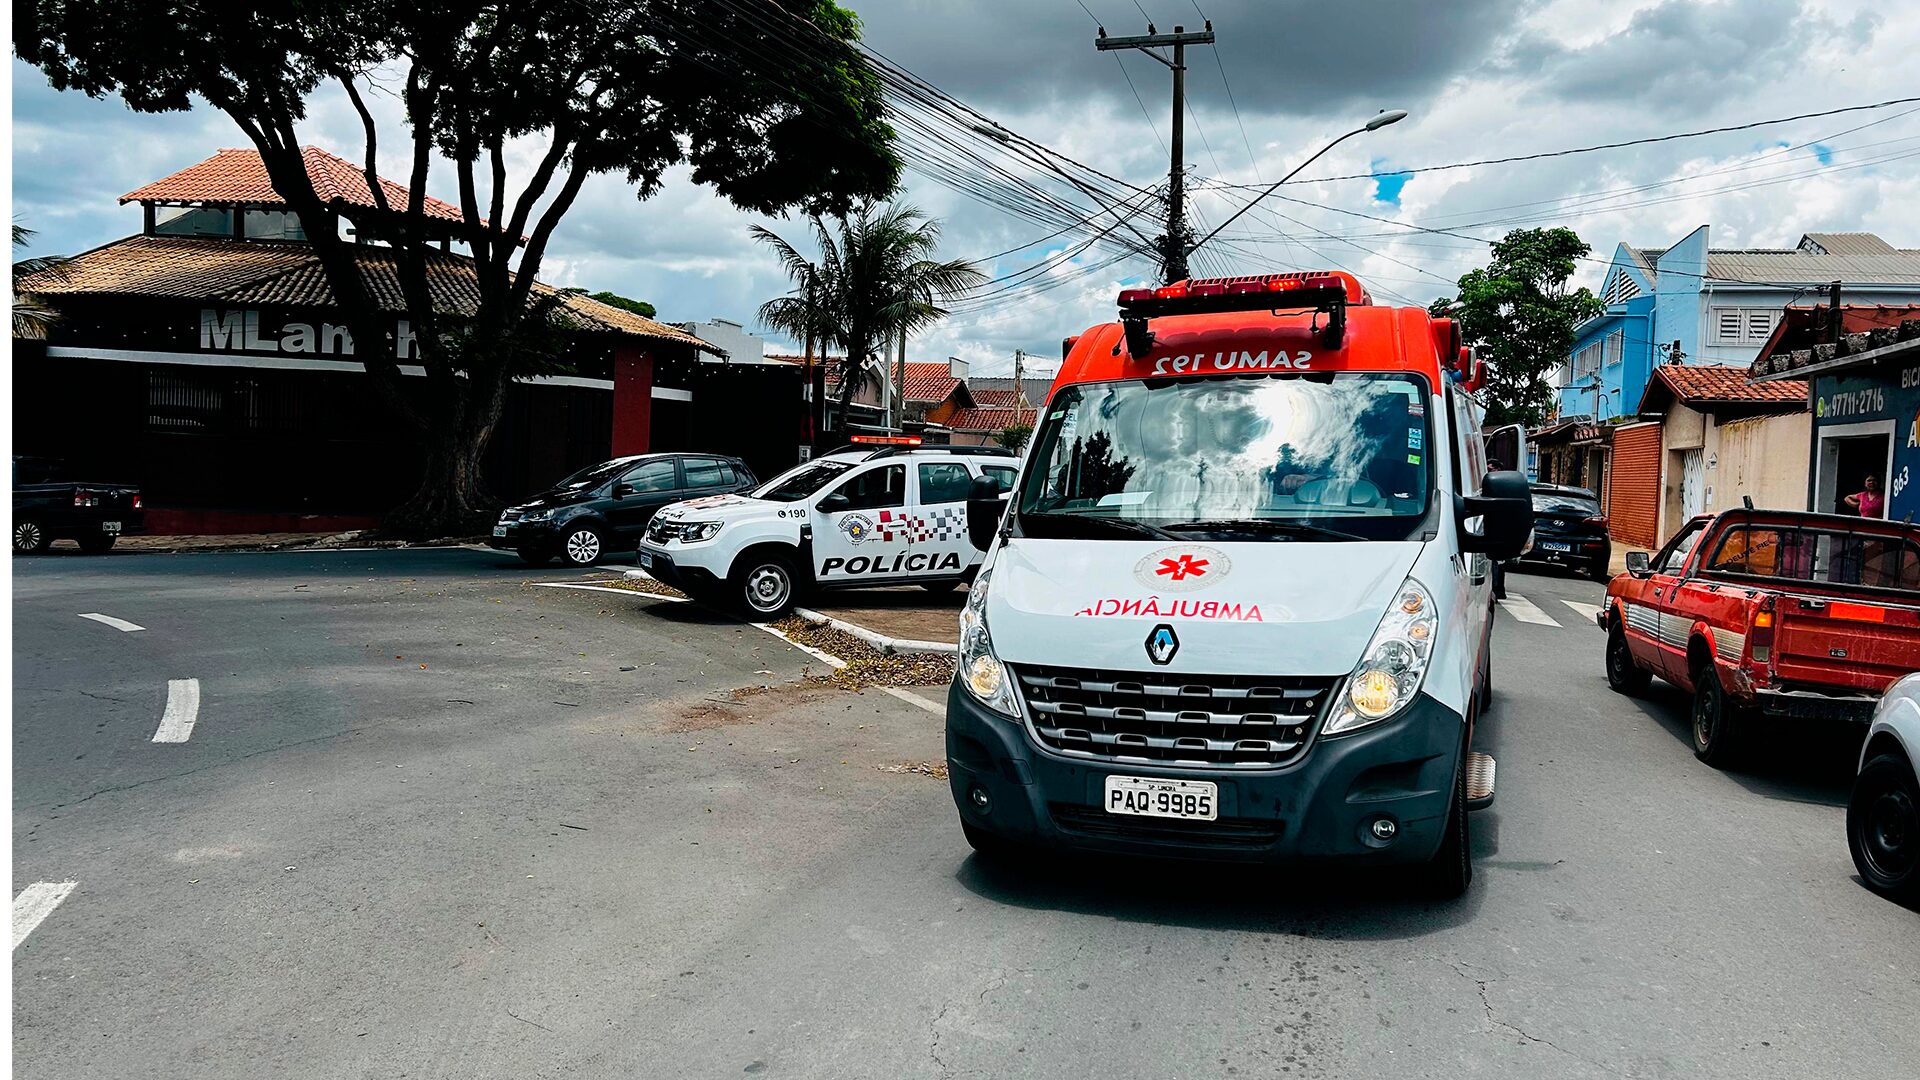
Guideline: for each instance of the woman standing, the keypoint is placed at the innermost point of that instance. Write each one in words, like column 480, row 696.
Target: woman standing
column 1868, row 502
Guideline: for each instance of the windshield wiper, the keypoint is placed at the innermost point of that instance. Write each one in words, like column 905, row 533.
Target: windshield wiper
column 1119, row 525
column 1264, row 525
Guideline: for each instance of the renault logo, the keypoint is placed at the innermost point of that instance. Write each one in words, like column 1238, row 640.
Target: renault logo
column 1162, row 644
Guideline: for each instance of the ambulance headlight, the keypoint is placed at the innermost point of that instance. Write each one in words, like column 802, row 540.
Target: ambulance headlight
column 1392, row 668
column 981, row 672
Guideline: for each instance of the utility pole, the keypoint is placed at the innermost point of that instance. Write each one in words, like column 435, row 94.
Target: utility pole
column 1019, row 394
column 899, row 381
column 1175, row 244
column 1833, row 313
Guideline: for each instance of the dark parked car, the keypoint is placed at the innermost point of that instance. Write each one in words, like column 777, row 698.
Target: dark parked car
column 605, row 507
column 1570, row 530
column 49, row 507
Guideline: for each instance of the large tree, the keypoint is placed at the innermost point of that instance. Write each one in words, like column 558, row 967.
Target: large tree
column 1519, row 314
column 768, row 101
column 875, row 278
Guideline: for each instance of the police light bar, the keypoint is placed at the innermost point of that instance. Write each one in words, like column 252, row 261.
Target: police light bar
column 1316, row 290
column 887, row 440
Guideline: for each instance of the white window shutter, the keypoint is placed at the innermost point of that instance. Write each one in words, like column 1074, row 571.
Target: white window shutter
column 1727, row 324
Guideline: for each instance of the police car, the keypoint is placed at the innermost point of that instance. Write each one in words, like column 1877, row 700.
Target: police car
column 883, row 511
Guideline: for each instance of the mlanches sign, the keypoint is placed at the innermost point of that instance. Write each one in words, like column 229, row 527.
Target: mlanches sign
column 244, row 331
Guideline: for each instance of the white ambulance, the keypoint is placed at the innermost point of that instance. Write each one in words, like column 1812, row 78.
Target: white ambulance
column 1240, row 605
column 884, row 511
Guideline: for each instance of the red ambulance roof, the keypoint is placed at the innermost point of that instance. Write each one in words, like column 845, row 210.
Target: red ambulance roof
column 1263, row 339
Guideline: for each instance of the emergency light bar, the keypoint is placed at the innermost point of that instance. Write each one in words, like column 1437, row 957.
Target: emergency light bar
column 887, row 440
column 1318, row 290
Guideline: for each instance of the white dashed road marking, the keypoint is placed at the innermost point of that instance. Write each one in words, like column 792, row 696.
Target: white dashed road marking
column 117, row 624
column 34, row 904
column 1523, row 609
column 1587, row 611
column 183, row 708
column 912, row 698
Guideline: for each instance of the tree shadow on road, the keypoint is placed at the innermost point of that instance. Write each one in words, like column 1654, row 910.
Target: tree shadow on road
column 1304, row 900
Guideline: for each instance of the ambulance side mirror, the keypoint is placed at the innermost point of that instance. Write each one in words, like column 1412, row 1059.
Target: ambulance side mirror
column 984, row 509
column 1505, row 509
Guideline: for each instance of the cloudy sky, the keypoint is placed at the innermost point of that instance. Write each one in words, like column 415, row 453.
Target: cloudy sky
column 1481, row 78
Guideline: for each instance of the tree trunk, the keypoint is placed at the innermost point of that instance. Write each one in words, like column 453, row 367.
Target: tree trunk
column 453, row 500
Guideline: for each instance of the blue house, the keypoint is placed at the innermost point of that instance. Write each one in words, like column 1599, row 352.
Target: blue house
column 1694, row 304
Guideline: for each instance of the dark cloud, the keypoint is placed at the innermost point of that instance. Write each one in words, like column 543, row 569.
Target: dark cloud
column 1681, row 54
column 1301, row 57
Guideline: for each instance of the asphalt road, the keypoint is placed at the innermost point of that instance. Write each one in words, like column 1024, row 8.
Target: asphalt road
column 425, row 826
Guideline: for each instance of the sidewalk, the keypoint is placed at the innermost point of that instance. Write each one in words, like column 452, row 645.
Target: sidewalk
column 271, row 542
column 911, row 613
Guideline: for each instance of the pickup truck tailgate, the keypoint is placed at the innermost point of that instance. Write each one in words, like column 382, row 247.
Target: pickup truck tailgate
column 1862, row 645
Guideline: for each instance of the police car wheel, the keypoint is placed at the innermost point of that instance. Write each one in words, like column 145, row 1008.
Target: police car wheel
column 1883, row 827
column 764, row 586
column 583, row 546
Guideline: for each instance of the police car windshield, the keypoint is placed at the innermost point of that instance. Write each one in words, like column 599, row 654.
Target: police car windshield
column 1345, row 456
column 802, row 480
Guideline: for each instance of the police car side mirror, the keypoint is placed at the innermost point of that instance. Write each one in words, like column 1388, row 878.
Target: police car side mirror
column 1505, row 509
column 834, row 503
column 1638, row 564
column 983, row 511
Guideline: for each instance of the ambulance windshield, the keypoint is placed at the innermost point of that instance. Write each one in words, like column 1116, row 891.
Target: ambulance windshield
column 1284, row 457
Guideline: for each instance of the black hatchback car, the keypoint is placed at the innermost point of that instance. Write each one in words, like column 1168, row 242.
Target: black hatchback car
column 606, row 507
column 1570, row 530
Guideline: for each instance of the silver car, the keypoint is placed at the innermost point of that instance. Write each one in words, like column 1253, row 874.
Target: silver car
column 1883, row 816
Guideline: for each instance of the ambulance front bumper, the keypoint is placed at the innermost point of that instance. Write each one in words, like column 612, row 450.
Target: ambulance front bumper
column 1321, row 807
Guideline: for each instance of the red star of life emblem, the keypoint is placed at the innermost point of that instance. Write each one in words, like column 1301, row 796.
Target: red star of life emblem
column 1179, row 568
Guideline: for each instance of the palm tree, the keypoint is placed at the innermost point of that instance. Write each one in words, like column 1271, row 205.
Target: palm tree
column 874, row 280
column 31, row 317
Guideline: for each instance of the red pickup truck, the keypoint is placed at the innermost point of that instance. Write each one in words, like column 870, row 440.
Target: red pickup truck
column 1768, row 613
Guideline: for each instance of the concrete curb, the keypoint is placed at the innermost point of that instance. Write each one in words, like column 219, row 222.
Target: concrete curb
column 887, row 645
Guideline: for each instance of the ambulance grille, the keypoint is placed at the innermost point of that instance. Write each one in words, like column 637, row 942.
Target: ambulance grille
column 1155, row 717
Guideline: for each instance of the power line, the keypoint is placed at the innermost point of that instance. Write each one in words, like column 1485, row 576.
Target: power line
column 1612, row 145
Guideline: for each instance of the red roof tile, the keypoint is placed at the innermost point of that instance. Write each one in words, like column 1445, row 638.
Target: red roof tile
column 989, row 419
column 239, row 178
column 1693, row 384
column 928, row 382
column 283, row 273
column 997, row 399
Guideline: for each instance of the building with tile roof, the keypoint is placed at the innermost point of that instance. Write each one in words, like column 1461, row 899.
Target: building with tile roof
column 1710, row 305
column 222, row 376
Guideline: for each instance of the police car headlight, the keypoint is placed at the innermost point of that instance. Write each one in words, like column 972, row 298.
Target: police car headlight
column 981, row 672
column 692, row 532
column 1392, row 668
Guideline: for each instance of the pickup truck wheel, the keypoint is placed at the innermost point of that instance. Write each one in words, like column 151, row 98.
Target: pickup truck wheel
column 1717, row 722
column 764, row 585
column 1624, row 676
column 1450, row 872
column 1883, row 827
column 98, row 544
column 583, row 546
column 29, row 538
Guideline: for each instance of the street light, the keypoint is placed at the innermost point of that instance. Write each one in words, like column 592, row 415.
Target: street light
column 1385, row 117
